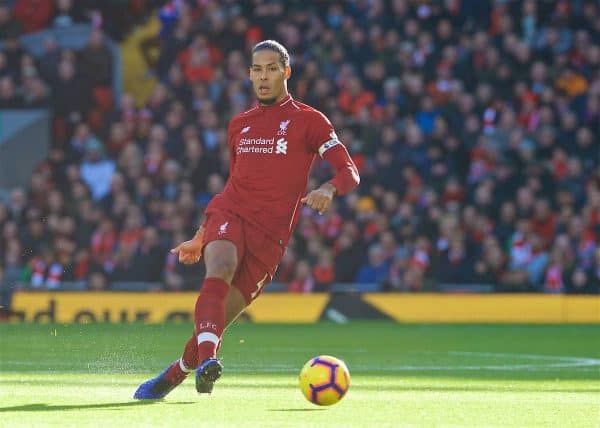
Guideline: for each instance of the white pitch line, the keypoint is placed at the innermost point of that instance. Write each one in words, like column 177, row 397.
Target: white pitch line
column 522, row 356
column 580, row 363
column 560, row 362
column 564, row 361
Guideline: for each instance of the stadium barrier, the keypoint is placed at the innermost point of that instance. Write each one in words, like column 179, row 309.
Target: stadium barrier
column 85, row 307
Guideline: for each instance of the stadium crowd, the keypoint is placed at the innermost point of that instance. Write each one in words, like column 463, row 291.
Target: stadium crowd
column 475, row 126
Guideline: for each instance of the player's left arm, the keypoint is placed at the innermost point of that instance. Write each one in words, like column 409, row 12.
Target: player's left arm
column 346, row 174
column 346, row 178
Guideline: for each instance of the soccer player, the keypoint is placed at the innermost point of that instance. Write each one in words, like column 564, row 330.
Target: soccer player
column 248, row 225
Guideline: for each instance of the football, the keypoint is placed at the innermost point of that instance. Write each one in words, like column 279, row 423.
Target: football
column 324, row 380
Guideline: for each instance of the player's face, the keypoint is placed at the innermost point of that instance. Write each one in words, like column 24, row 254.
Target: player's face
column 268, row 76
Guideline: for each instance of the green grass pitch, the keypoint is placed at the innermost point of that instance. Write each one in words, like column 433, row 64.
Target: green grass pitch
column 401, row 375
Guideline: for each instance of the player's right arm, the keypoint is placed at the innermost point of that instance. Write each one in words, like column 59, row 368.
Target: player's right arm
column 190, row 252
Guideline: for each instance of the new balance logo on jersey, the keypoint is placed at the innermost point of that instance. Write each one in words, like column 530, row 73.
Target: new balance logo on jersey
column 223, row 228
column 283, row 127
column 245, row 129
column 281, row 147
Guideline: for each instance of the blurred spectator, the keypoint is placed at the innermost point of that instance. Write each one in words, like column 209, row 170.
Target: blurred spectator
column 5, row 296
column 34, row 15
column 554, row 282
column 198, row 60
column 96, row 61
column 49, row 60
column 455, row 266
column 96, row 170
column 150, row 256
column 349, row 257
column 474, row 126
column 97, row 281
column 10, row 28
column 9, row 98
column 35, row 93
column 71, row 94
column 377, row 268
column 11, row 270
column 324, row 272
column 66, row 14
column 302, row 282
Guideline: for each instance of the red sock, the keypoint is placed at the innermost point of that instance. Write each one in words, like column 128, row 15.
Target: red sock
column 210, row 317
column 190, row 353
column 186, row 364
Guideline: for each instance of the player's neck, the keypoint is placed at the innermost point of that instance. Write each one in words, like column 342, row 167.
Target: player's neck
column 284, row 95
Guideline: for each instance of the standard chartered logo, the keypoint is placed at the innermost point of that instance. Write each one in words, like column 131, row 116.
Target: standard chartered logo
column 262, row 145
column 281, row 147
column 256, row 141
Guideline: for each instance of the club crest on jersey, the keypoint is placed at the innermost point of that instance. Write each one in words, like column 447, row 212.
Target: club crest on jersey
column 283, row 127
column 281, row 148
column 223, row 228
column 245, row 129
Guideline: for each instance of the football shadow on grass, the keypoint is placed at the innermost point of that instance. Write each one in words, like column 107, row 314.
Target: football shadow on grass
column 43, row 407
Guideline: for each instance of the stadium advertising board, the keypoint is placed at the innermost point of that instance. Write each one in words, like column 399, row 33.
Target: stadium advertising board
column 65, row 307
column 68, row 307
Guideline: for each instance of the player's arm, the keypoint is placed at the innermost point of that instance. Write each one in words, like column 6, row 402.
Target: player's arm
column 346, row 176
column 191, row 251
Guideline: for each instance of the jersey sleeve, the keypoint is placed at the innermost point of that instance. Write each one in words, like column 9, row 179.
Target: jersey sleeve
column 321, row 135
column 346, row 174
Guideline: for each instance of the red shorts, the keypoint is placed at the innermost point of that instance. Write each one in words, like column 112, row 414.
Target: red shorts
column 258, row 254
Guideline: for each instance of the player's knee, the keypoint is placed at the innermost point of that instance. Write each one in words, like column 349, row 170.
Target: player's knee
column 220, row 258
column 222, row 267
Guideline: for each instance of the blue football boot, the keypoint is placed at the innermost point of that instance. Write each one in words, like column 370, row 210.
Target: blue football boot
column 206, row 374
column 155, row 388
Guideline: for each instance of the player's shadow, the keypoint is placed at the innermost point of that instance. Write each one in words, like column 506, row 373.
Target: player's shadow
column 43, row 407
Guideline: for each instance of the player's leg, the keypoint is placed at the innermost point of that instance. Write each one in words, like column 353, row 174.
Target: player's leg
column 188, row 362
column 209, row 368
column 221, row 262
column 210, row 318
column 178, row 371
column 224, row 244
column 250, row 278
column 229, row 262
column 234, row 306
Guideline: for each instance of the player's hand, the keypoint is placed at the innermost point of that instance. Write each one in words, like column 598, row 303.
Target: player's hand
column 190, row 251
column 320, row 199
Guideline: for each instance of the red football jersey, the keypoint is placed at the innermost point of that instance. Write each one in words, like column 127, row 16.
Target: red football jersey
column 271, row 151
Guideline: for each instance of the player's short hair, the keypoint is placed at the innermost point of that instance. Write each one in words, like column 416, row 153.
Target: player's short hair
column 274, row 46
